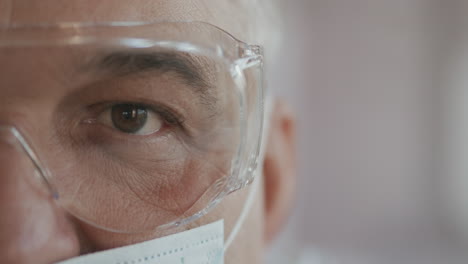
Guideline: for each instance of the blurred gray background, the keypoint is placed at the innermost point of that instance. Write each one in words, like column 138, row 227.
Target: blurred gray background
column 369, row 81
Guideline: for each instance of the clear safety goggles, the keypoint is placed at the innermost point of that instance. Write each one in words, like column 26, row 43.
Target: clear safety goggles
column 132, row 126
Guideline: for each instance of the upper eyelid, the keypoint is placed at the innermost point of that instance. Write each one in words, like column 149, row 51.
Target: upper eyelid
column 192, row 72
column 166, row 112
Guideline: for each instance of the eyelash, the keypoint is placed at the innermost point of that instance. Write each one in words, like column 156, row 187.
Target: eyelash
column 168, row 115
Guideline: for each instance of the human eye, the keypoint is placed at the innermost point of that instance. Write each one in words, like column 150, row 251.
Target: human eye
column 136, row 118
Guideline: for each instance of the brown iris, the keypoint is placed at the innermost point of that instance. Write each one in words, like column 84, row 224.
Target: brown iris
column 129, row 118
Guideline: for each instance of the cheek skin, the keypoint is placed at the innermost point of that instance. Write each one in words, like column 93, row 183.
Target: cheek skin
column 94, row 239
column 32, row 228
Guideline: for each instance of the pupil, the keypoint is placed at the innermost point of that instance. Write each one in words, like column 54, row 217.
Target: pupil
column 129, row 118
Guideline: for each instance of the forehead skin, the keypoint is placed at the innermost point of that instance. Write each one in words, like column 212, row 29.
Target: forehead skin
column 223, row 13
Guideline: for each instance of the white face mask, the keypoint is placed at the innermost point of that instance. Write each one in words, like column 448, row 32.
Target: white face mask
column 200, row 245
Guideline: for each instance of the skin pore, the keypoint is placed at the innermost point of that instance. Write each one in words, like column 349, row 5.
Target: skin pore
column 33, row 229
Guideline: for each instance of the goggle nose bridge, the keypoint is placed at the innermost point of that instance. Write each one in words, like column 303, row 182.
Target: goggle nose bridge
column 15, row 137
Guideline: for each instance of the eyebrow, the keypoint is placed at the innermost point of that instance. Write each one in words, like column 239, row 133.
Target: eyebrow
column 184, row 66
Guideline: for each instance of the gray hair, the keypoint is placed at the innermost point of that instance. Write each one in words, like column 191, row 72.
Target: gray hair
column 265, row 24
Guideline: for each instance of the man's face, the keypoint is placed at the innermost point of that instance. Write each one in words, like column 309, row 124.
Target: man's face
column 34, row 229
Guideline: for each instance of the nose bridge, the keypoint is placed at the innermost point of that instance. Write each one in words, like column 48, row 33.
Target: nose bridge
column 18, row 159
column 32, row 228
column 18, row 174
